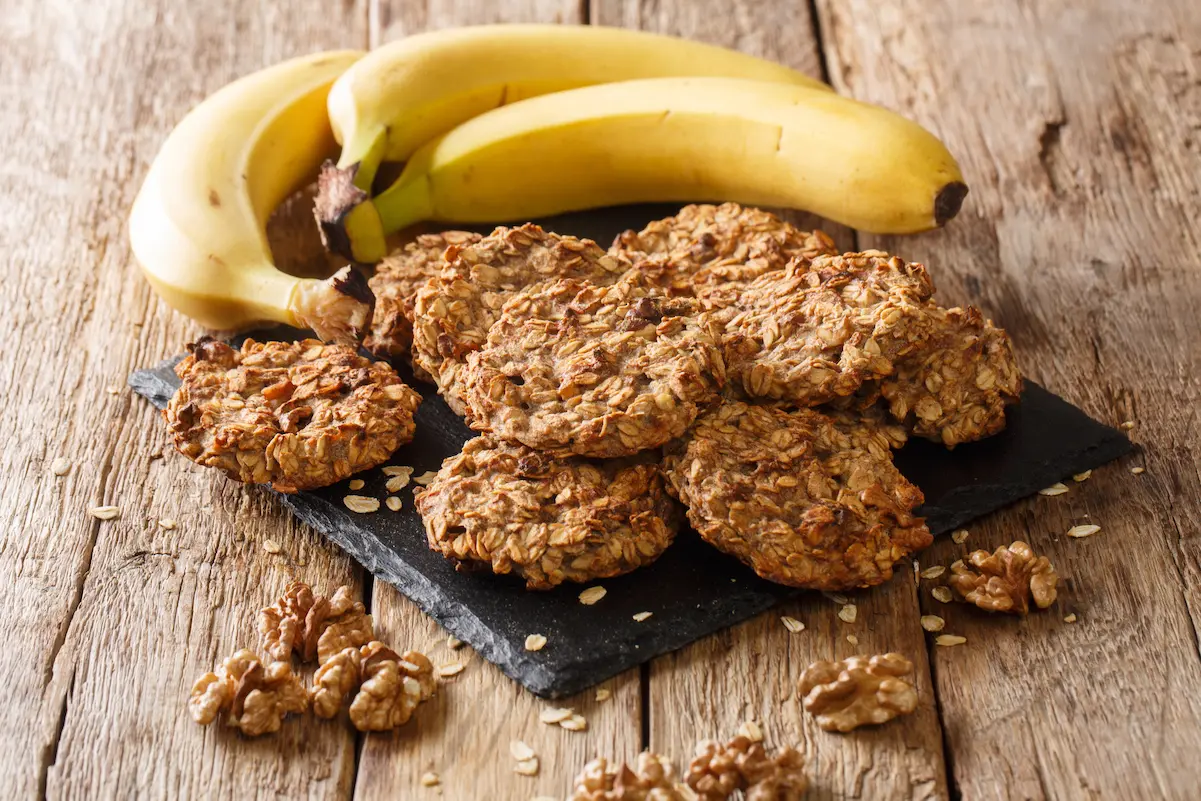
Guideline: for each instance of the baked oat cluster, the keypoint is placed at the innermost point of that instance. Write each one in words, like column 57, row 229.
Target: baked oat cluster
column 295, row 415
column 772, row 375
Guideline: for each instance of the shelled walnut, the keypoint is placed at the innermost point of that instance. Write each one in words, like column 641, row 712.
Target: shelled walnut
column 653, row 778
column 334, row 680
column 254, row 698
column 857, row 691
column 314, row 626
column 392, row 687
column 1006, row 579
column 717, row 771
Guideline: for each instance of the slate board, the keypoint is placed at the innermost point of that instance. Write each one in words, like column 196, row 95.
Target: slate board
column 692, row 590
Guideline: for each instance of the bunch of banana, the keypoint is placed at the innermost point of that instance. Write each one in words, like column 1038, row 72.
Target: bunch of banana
column 198, row 225
column 405, row 94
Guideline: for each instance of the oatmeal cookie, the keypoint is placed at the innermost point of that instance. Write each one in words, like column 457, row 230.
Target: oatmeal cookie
column 803, row 499
column 296, row 415
column 811, row 333
column 454, row 311
column 706, row 251
column 955, row 388
column 548, row 520
column 395, row 284
column 596, row 371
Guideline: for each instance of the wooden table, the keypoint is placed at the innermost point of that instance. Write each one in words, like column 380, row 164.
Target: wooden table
column 1078, row 125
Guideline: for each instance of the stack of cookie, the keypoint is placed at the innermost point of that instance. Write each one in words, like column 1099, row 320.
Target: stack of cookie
column 720, row 356
column 720, row 359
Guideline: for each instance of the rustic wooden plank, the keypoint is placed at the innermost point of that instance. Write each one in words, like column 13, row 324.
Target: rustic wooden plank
column 1077, row 129
column 750, row 672
column 463, row 733
column 108, row 623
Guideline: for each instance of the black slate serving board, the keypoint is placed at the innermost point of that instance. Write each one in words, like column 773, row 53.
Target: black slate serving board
column 692, row 590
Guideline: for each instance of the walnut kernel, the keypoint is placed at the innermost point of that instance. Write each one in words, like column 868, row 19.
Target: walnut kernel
column 857, row 691
column 1005, row 580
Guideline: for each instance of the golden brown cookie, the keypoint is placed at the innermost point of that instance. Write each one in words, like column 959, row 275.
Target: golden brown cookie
column 599, row 371
column 802, row 498
column 296, row 415
column 549, row 520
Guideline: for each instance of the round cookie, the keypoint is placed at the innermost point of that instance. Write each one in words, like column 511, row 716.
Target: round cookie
column 572, row 367
column 709, row 251
column 454, row 311
column 802, row 498
column 296, row 415
column 547, row 519
column 811, row 333
column 395, row 283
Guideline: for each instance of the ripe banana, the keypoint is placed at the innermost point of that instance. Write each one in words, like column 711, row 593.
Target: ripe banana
column 406, row 93
column 675, row 139
column 198, row 225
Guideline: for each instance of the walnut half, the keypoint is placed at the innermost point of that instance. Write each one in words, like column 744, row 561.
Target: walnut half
column 254, row 698
column 857, row 691
column 392, row 687
column 717, row 771
column 314, row 626
column 1006, row 579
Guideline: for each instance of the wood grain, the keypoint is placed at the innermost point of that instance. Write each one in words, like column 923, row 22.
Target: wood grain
column 109, row 623
column 750, row 672
column 1077, row 130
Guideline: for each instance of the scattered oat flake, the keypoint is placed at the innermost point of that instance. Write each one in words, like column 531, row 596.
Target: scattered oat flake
column 1126, row 426
column 396, row 470
column 1083, row 531
column 271, row 546
column 958, row 537
column 555, row 714
column 60, row 466
column 397, row 483
column 837, row 597
column 430, row 779
column 426, row 477
column 917, row 578
column 534, row 642
column 1058, row 488
column 1082, row 476
column 357, row 483
column 603, row 694
column 361, row 504
column 105, row 512
column 641, row 616
column 393, row 503
column 576, row 722
column 451, row 669
column 941, row 594
column 1070, row 617
column 167, row 523
column 848, row 613
column 852, row 639
column 520, row 751
column 453, row 642
column 591, row 595
column 933, row 572
column 527, row 767
column 949, row 640
column 792, row 624
column 750, row 730
column 1138, row 471
column 933, row 622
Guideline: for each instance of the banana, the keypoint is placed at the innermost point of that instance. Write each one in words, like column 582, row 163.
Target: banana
column 198, row 224
column 675, row 139
column 406, row 93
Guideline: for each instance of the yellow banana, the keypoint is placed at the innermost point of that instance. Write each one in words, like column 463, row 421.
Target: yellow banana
column 198, row 225
column 675, row 139
column 406, row 93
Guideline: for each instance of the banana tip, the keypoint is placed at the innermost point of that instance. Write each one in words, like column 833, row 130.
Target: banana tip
column 948, row 202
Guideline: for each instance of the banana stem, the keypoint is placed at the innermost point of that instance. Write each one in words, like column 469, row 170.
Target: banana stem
column 409, row 200
column 362, row 158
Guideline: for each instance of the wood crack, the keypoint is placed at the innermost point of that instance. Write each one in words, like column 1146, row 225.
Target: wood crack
column 50, row 749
